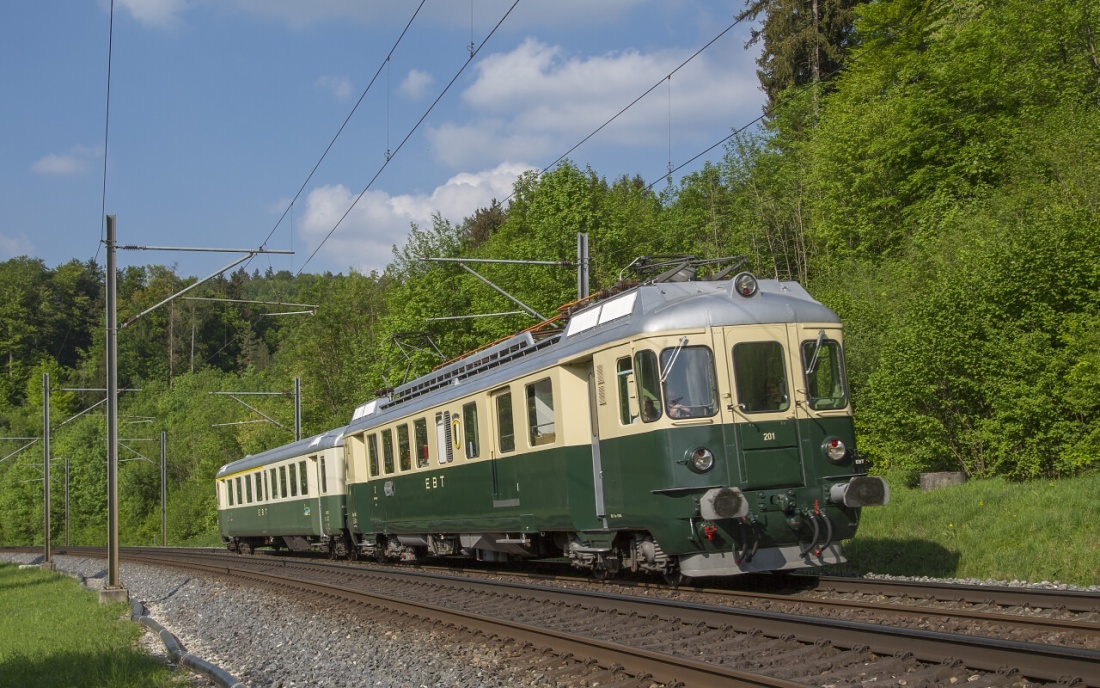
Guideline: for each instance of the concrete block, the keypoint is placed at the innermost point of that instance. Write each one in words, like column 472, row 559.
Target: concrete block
column 934, row 481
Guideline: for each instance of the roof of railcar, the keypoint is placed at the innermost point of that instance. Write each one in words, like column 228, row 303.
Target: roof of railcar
column 644, row 310
column 310, row 445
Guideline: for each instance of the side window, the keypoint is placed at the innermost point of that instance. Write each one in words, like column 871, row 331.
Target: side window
column 273, row 488
column 248, row 488
column 238, row 482
column 420, row 431
column 690, row 386
column 259, row 486
column 293, row 480
column 540, row 412
column 628, row 403
column 506, row 435
column 404, row 451
column 387, row 451
column 302, row 477
column 648, row 377
column 282, row 481
column 825, row 381
column 324, row 477
column 760, row 374
column 469, row 422
column 228, row 484
column 372, row 454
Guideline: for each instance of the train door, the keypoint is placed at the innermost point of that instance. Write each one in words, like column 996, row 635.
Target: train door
column 760, row 412
column 324, row 521
column 503, row 455
column 597, row 459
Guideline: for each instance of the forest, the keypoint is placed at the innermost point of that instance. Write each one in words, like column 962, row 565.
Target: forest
column 930, row 169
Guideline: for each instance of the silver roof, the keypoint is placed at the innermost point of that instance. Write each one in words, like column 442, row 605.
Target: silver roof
column 310, row 445
column 644, row 310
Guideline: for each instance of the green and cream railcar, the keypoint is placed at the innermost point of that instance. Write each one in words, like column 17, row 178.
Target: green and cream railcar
column 292, row 496
column 691, row 428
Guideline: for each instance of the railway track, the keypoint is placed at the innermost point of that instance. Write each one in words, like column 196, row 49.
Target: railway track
column 646, row 638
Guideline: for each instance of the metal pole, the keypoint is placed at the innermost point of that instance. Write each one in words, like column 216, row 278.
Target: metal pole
column 163, row 488
column 66, row 502
column 582, row 265
column 297, row 409
column 110, row 591
column 47, row 562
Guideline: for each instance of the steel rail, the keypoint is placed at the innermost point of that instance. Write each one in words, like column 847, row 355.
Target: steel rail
column 659, row 667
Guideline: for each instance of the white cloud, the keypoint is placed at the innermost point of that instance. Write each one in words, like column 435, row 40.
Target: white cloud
column 11, row 247
column 379, row 221
column 338, row 86
column 77, row 160
column 536, row 101
column 157, row 13
column 416, row 83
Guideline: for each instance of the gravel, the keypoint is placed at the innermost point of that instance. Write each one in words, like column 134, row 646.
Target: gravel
column 263, row 639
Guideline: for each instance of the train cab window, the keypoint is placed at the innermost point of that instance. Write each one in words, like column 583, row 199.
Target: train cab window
column 648, row 378
column 387, row 450
column 540, row 413
column 420, row 434
column 282, row 481
column 324, row 477
column 628, row 403
column 248, row 488
column 273, row 488
column 372, row 454
column 293, row 480
column 238, row 482
column 302, row 476
column 760, row 374
column 506, row 434
column 469, row 422
column 404, row 450
column 823, row 364
column 690, row 386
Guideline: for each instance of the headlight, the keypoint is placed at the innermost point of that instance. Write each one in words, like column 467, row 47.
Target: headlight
column 745, row 284
column 700, row 460
column 834, row 449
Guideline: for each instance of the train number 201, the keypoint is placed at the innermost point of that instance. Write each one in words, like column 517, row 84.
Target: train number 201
column 769, row 436
column 434, row 482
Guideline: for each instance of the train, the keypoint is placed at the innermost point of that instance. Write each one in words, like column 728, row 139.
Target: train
column 683, row 426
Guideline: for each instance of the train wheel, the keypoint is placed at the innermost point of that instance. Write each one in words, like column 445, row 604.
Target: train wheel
column 246, row 548
column 353, row 552
column 332, row 550
column 674, row 578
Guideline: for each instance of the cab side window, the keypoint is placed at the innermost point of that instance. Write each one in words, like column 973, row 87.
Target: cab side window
column 624, row 382
column 648, row 377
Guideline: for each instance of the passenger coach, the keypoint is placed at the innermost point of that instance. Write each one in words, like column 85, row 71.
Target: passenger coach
column 695, row 428
column 292, row 496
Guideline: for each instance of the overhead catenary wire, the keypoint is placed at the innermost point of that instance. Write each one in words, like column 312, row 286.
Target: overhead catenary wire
column 347, row 119
column 413, row 130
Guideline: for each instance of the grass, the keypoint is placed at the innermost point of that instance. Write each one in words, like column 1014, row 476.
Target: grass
column 1034, row 531
column 55, row 634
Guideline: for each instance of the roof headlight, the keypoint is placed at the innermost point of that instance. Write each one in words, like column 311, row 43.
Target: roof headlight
column 700, row 460
column 745, row 284
column 834, row 449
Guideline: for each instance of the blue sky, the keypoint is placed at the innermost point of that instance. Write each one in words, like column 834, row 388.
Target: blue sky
column 219, row 110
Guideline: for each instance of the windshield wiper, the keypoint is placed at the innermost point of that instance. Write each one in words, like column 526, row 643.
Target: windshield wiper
column 817, row 350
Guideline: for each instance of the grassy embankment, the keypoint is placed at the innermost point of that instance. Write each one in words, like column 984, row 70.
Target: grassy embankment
column 55, row 633
column 1034, row 531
